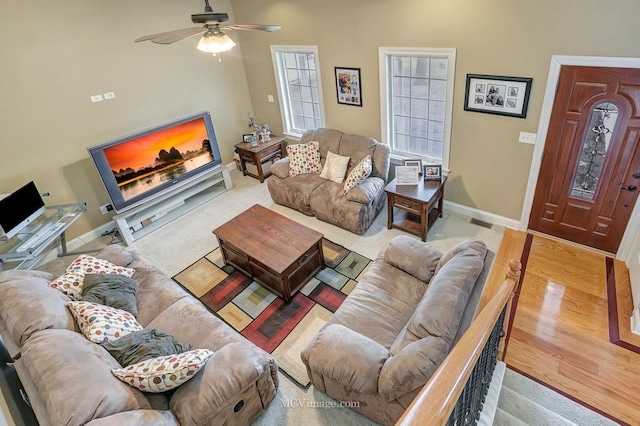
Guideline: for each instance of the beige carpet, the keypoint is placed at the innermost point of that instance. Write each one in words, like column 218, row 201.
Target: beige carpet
column 177, row 245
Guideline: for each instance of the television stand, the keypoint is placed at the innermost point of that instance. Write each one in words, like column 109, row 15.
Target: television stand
column 153, row 214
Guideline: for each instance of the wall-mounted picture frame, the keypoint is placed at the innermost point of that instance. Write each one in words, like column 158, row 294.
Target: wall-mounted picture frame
column 432, row 172
column 492, row 94
column 406, row 175
column 414, row 163
column 348, row 87
column 247, row 137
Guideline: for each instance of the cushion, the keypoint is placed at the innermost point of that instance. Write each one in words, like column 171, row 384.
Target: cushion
column 117, row 291
column 335, row 167
column 414, row 257
column 280, row 168
column 472, row 243
column 73, row 378
column 29, row 305
column 366, row 191
column 164, row 373
column 70, row 283
column 144, row 344
column 100, row 323
column 304, row 158
column 359, row 173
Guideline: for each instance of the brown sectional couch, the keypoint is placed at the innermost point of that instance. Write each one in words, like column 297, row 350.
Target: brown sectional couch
column 68, row 378
column 404, row 316
column 325, row 199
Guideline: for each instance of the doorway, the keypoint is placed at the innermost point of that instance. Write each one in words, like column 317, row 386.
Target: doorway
column 545, row 129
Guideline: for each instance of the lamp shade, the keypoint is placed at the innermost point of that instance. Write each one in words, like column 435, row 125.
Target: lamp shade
column 215, row 42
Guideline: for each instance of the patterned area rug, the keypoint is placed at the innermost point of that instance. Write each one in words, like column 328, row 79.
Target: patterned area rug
column 261, row 316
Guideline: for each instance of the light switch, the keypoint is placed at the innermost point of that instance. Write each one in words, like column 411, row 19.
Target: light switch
column 109, row 95
column 96, row 98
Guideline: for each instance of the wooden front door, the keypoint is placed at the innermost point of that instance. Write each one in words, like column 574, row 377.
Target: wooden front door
column 590, row 169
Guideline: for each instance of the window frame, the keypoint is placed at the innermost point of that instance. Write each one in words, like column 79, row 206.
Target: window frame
column 284, row 98
column 385, row 55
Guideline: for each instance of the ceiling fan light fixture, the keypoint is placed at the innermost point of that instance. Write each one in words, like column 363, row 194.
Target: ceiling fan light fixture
column 215, row 42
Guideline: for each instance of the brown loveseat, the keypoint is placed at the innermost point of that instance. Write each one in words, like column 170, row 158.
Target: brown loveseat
column 325, row 199
column 398, row 324
column 68, row 378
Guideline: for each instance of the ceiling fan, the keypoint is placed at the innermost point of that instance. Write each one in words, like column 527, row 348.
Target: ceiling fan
column 213, row 40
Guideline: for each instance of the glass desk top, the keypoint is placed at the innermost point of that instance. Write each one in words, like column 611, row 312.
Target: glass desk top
column 33, row 242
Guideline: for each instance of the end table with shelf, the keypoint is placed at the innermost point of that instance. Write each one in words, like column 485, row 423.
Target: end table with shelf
column 414, row 204
column 259, row 155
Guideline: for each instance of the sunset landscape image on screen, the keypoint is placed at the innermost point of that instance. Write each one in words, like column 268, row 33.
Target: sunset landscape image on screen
column 146, row 162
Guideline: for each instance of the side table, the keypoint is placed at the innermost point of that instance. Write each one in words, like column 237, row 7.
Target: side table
column 258, row 155
column 414, row 204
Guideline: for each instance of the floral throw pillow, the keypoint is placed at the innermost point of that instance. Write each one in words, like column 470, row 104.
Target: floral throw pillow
column 304, row 158
column 70, row 283
column 100, row 323
column 165, row 372
column 358, row 174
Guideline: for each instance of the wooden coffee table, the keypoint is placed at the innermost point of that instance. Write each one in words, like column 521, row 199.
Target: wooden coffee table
column 277, row 252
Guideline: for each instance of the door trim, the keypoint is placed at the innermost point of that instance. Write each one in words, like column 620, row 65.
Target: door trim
column 557, row 61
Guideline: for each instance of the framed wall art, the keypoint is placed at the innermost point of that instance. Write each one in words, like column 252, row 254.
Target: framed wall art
column 348, row 86
column 494, row 94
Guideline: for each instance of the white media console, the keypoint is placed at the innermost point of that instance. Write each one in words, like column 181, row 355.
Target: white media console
column 139, row 221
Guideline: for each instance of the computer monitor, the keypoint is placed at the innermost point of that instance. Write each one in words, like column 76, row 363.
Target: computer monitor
column 20, row 208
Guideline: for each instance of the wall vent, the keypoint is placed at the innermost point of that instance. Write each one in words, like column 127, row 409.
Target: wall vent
column 481, row 223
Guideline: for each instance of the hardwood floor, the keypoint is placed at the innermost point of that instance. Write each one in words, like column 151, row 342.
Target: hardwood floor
column 568, row 330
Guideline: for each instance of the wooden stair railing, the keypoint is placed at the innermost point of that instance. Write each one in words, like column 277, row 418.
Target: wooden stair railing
column 437, row 399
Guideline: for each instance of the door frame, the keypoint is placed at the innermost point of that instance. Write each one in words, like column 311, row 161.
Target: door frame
column 557, row 61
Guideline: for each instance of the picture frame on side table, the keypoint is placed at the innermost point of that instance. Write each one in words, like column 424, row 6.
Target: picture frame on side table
column 492, row 94
column 348, row 86
column 432, row 172
column 406, row 175
column 246, row 138
column 414, row 163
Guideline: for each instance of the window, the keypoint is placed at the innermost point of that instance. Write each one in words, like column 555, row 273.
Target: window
column 416, row 102
column 595, row 147
column 299, row 90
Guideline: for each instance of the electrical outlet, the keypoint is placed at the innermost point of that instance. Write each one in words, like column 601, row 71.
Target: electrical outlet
column 270, row 98
column 96, row 98
column 527, row 138
column 109, row 95
column 107, row 208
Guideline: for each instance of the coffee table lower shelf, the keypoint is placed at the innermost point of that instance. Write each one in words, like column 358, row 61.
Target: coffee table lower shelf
column 284, row 283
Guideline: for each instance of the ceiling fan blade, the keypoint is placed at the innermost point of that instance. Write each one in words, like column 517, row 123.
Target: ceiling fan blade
column 172, row 36
column 258, row 27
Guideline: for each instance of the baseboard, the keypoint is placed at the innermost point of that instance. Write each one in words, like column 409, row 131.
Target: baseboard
column 481, row 215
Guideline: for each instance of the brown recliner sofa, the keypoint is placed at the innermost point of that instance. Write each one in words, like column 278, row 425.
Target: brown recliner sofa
column 68, row 378
column 325, row 199
column 397, row 326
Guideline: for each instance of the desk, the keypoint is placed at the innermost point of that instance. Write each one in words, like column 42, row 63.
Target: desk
column 257, row 155
column 57, row 219
column 414, row 204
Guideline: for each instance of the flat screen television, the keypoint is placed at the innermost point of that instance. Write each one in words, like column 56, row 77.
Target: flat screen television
column 20, row 208
column 153, row 162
